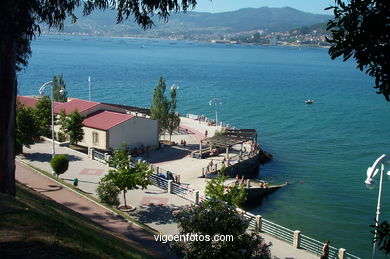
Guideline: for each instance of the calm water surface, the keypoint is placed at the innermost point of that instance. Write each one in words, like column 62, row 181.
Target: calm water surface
column 323, row 149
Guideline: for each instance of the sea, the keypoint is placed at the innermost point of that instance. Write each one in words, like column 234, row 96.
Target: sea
column 323, row 150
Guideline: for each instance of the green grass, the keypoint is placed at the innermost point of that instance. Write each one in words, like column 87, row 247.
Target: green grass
column 34, row 226
column 123, row 215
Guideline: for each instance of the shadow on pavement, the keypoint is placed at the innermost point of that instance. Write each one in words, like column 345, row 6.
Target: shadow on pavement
column 158, row 214
column 167, row 154
column 43, row 157
column 52, row 188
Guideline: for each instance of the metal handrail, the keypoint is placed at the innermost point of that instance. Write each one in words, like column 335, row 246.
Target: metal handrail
column 312, row 245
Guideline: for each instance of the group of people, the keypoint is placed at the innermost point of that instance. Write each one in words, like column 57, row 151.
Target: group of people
column 210, row 166
column 254, row 148
column 183, row 142
column 142, row 150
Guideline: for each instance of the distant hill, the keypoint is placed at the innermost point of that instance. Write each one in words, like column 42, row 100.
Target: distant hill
column 191, row 24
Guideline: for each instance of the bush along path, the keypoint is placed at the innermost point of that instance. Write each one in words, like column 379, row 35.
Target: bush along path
column 91, row 210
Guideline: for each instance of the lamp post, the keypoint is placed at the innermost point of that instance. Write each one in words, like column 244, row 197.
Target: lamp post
column 89, row 87
column 371, row 173
column 41, row 89
column 215, row 102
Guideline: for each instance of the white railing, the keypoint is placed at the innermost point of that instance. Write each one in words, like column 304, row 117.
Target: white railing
column 159, row 181
column 315, row 247
column 183, row 191
column 266, row 226
column 277, row 231
column 99, row 156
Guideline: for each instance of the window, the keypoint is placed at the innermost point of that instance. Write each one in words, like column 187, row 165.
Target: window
column 95, row 138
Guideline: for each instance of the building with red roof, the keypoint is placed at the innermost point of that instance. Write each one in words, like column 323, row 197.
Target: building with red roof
column 108, row 130
column 107, row 126
column 82, row 106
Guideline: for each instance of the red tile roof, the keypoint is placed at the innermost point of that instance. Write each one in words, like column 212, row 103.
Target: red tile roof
column 28, row 101
column 105, row 120
column 75, row 104
column 32, row 101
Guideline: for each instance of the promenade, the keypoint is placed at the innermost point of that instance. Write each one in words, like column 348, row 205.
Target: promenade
column 154, row 206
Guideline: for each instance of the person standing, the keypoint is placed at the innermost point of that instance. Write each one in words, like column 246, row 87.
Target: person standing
column 325, row 250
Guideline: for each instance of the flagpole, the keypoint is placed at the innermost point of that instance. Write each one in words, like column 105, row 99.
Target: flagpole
column 89, row 86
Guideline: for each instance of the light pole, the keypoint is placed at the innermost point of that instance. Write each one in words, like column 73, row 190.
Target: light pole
column 215, row 102
column 89, row 87
column 371, row 173
column 41, row 89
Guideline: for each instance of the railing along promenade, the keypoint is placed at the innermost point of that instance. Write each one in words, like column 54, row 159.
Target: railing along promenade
column 256, row 222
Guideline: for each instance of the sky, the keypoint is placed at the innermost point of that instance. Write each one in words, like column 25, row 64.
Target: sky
column 216, row 6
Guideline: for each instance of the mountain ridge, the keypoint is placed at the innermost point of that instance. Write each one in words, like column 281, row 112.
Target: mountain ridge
column 197, row 24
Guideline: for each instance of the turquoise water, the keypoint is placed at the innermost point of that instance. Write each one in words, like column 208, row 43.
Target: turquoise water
column 323, row 149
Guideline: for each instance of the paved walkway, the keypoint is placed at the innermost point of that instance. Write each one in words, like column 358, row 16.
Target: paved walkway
column 154, row 206
column 91, row 210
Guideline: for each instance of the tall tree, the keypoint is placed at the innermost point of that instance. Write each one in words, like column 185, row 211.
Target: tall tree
column 127, row 176
column 43, row 114
column 361, row 29
column 27, row 127
column 173, row 119
column 59, row 92
column 160, row 106
column 20, row 21
column 233, row 195
column 217, row 218
column 73, row 127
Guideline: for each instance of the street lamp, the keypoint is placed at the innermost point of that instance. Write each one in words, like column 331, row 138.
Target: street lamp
column 175, row 87
column 41, row 89
column 371, row 173
column 215, row 102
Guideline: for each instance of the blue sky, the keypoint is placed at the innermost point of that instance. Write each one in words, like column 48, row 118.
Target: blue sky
column 216, row 6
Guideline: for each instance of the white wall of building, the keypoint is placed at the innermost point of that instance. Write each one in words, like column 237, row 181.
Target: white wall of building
column 94, row 138
column 134, row 132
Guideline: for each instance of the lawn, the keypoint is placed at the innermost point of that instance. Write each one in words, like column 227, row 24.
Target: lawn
column 34, row 226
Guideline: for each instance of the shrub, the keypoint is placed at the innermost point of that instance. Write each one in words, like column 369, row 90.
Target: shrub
column 60, row 164
column 108, row 193
column 61, row 136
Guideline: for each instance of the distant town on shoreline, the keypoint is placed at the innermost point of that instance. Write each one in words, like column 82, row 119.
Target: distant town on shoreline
column 259, row 26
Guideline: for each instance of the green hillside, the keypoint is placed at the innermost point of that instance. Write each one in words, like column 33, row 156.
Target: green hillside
column 33, row 226
column 197, row 24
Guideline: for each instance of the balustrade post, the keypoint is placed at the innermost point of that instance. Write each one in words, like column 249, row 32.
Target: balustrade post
column 248, row 183
column 157, row 170
column 169, row 186
column 297, row 237
column 342, row 253
column 258, row 223
column 90, row 153
column 196, row 197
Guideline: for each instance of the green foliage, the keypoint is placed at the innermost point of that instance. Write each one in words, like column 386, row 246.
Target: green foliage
column 61, row 136
column 43, row 115
column 160, row 106
column 233, row 195
column 60, row 164
column 108, row 193
column 27, row 127
column 383, row 237
column 163, row 109
column 360, row 29
column 217, row 218
column 127, row 176
column 72, row 125
column 58, row 85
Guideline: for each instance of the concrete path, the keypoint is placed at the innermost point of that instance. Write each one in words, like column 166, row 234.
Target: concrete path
column 91, row 210
column 154, row 206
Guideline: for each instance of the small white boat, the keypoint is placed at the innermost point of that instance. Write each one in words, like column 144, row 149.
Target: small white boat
column 309, row 101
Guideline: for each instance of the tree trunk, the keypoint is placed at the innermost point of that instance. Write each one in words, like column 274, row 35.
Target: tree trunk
column 124, row 198
column 7, row 114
